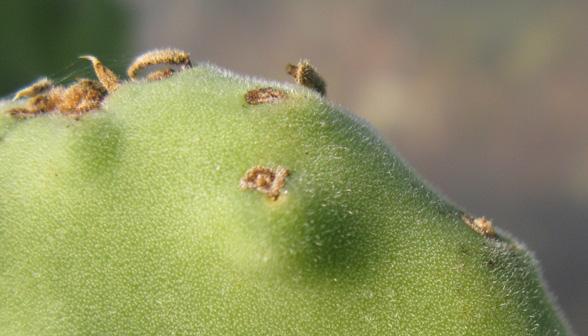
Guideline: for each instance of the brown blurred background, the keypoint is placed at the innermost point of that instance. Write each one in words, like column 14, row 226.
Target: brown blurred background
column 488, row 100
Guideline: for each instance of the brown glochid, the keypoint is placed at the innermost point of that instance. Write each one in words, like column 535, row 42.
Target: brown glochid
column 265, row 180
column 159, row 75
column 159, row 56
column 39, row 87
column 481, row 225
column 83, row 96
column 264, row 95
column 305, row 74
column 105, row 76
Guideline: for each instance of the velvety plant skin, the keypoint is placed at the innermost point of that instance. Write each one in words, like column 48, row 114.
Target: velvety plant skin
column 132, row 220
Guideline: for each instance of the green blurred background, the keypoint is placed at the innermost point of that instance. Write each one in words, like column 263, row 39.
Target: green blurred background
column 487, row 99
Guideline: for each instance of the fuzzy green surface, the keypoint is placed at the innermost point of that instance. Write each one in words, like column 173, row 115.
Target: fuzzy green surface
column 131, row 221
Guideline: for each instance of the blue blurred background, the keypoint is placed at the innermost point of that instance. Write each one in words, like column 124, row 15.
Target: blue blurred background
column 488, row 100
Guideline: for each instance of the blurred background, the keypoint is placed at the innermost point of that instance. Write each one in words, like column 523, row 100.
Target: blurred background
column 488, row 100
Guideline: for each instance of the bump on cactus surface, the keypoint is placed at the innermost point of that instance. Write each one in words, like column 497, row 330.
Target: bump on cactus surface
column 199, row 201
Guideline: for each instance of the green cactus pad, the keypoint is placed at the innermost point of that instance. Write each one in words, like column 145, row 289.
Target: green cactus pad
column 133, row 219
